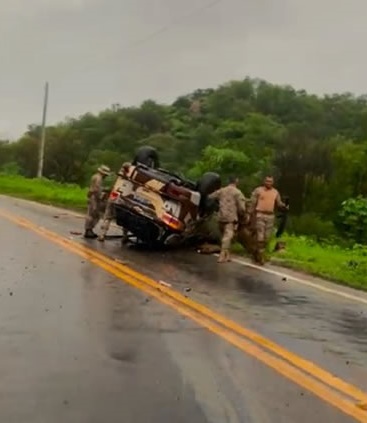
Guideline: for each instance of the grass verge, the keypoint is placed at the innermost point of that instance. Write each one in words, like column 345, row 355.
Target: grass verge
column 344, row 266
column 44, row 191
column 347, row 267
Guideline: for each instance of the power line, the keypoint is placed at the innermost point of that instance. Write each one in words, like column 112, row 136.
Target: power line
column 165, row 28
column 176, row 21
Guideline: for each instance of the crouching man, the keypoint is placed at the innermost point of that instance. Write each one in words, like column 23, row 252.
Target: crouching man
column 109, row 213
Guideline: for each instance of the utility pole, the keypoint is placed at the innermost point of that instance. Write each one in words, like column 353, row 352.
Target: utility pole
column 43, row 135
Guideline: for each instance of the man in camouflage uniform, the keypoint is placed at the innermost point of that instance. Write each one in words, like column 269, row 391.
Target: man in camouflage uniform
column 109, row 213
column 262, row 207
column 94, row 201
column 246, row 232
column 232, row 206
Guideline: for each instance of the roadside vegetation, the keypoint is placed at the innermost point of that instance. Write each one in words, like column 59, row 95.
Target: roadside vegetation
column 345, row 265
column 44, row 191
column 316, row 147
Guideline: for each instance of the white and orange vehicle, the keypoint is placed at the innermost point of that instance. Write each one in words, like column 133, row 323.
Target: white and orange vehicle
column 158, row 206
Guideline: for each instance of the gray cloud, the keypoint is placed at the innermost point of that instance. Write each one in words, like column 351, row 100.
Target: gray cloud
column 91, row 53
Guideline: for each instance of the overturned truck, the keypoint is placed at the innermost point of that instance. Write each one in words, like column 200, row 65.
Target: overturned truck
column 159, row 207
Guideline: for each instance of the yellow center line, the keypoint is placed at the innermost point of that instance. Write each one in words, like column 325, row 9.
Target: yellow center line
column 284, row 362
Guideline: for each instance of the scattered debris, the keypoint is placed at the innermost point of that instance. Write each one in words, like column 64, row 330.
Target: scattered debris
column 187, row 289
column 284, row 279
column 207, row 248
column 165, row 284
column 76, row 233
column 10, row 293
column 119, row 261
column 56, row 216
column 279, row 246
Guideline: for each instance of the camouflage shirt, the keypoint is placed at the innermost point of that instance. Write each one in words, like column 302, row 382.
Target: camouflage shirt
column 95, row 188
column 232, row 203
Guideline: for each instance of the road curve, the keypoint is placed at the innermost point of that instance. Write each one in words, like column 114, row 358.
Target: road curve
column 95, row 333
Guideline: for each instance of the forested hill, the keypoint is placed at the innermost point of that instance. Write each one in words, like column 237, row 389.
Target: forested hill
column 316, row 147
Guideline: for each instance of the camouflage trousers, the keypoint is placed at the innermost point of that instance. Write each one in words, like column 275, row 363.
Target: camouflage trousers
column 108, row 216
column 93, row 213
column 228, row 231
column 264, row 230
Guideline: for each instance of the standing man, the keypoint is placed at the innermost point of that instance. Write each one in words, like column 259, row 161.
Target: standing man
column 94, row 201
column 262, row 207
column 232, row 206
column 109, row 214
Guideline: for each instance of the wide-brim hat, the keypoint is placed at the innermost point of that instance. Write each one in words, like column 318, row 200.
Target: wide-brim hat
column 104, row 170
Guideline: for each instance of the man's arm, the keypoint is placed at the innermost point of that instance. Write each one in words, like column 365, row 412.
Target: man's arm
column 241, row 203
column 215, row 195
column 253, row 200
column 279, row 203
column 95, row 185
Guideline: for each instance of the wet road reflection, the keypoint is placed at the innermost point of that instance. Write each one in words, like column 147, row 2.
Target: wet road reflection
column 110, row 339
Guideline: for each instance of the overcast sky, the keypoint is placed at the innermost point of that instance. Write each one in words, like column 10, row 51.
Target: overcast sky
column 90, row 50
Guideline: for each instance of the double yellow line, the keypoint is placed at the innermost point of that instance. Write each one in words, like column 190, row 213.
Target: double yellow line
column 342, row 395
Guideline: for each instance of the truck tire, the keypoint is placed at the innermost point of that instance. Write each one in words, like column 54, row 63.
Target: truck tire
column 206, row 185
column 209, row 183
column 147, row 156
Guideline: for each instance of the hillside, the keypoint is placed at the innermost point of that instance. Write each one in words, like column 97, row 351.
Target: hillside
column 315, row 146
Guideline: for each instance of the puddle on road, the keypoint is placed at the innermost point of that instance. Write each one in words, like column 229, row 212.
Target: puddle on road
column 266, row 294
column 353, row 325
column 257, row 299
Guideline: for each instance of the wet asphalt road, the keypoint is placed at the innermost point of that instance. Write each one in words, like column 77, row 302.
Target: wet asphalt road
column 78, row 345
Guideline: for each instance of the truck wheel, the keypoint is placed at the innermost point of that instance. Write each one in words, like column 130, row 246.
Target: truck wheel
column 147, row 156
column 209, row 183
column 206, row 185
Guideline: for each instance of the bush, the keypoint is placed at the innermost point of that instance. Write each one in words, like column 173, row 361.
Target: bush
column 313, row 226
column 353, row 219
column 11, row 168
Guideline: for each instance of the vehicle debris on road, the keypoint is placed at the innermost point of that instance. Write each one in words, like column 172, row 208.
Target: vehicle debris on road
column 166, row 284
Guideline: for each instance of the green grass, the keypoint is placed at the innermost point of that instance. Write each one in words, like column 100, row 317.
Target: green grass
column 348, row 267
column 337, row 264
column 44, row 191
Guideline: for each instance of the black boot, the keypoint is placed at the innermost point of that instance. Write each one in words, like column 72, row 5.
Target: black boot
column 90, row 234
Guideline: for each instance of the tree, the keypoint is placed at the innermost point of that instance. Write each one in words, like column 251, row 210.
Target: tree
column 316, row 147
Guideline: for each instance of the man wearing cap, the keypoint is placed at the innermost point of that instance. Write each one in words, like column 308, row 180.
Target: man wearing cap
column 232, row 206
column 109, row 214
column 94, row 200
